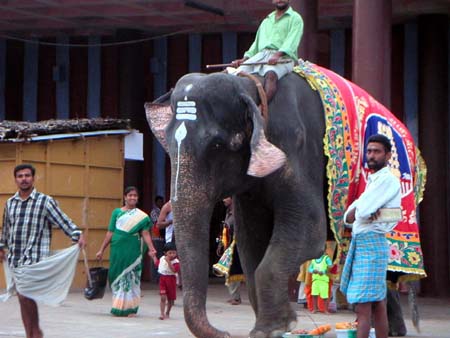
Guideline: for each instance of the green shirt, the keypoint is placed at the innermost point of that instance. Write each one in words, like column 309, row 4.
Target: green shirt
column 282, row 35
column 321, row 264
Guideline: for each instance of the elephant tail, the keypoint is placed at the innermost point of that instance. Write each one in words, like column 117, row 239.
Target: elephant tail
column 412, row 301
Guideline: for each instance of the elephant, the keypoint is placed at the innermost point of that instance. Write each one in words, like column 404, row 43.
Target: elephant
column 219, row 146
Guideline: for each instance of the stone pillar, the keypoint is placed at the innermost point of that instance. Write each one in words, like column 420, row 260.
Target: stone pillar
column 94, row 108
column 308, row 9
column 131, row 104
column 61, row 75
column 159, row 69
column 434, row 143
column 2, row 78
column 337, row 51
column 30, row 82
column 371, row 54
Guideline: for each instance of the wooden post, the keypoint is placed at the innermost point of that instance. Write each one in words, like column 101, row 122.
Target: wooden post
column 434, row 144
column 308, row 9
column 372, row 47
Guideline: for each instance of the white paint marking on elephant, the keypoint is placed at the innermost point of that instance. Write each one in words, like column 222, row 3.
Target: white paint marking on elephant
column 188, row 87
column 186, row 110
column 180, row 135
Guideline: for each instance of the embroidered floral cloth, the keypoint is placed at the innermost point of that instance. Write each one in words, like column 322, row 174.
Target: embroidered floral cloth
column 351, row 116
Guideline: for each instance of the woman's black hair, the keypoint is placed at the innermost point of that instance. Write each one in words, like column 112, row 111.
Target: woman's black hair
column 130, row 189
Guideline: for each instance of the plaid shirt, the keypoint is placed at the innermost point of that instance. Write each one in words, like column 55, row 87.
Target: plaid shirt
column 27, row 227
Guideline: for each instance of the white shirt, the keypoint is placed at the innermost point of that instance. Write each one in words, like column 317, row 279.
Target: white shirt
column 382, row 191
column 163, row 267
column 169, row 228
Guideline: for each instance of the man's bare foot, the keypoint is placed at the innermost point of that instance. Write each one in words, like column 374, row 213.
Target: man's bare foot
column 167, row 316
column 131, row 315
column 161, row 317
column 314, row 311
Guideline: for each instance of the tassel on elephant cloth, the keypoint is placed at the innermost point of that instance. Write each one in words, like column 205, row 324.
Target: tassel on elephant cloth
column 351, row 117
column 229, row 265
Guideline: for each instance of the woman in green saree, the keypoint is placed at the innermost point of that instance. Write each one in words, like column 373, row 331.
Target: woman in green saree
column 128, row 226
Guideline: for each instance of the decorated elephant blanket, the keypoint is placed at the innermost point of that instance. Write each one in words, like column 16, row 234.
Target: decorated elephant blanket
column 351, row 116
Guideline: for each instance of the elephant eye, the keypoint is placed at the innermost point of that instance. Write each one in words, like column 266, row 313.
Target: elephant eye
column 217, row 143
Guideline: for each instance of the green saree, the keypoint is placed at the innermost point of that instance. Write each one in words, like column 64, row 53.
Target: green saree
column 126, row 259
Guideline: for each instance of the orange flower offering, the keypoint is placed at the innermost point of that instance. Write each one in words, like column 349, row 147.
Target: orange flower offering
column 346, row 325
column 320, row 330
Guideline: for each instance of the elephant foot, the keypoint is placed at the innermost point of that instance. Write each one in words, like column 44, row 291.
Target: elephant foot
column 276, row 327
column 262, row 334
column 401, row 332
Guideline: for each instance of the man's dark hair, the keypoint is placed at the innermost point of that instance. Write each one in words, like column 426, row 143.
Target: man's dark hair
column 24, row 166
column 378, row 138
column 159, row 197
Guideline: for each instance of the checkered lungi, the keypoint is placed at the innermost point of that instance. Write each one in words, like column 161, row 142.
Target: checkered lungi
column 364, row 275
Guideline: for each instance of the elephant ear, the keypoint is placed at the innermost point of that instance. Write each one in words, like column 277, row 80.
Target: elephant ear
column 158, row 117
column 265, row 157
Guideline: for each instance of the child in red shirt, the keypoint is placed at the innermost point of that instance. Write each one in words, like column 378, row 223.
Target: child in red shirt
column 168, row 266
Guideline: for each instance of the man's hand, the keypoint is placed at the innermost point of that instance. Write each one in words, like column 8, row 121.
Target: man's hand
column 82, row 241
column 350, row 216
column 238, row 62
column 375, row 215
column 273, row 60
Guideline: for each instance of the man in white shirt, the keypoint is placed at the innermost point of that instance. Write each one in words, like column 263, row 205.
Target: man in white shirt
column 363, row 278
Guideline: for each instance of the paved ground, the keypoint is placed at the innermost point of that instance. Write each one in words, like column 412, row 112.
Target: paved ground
column 79, row 317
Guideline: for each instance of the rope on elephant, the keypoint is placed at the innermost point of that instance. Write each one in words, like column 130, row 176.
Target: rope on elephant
column 262, row 94
column 351, row 116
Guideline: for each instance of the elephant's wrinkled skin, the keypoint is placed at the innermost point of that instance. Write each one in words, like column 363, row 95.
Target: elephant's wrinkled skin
column 280, row 215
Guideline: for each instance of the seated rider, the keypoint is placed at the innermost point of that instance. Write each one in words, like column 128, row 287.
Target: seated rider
column 278, row 38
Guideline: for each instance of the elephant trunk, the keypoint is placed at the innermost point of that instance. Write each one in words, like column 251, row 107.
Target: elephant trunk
column 192, row 211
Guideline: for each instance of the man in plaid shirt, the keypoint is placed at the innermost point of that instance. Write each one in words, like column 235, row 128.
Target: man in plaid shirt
column 27, row 228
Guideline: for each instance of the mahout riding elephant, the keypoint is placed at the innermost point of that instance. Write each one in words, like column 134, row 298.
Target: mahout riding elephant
column 220, row 146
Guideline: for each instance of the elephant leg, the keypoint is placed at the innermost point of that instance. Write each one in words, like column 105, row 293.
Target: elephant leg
column 397, row 327
column 275, row 315
column 290, row 244
column 253, row 230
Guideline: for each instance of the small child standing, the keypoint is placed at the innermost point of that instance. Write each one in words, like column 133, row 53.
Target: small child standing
column 320, row 280
column 168, row 266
